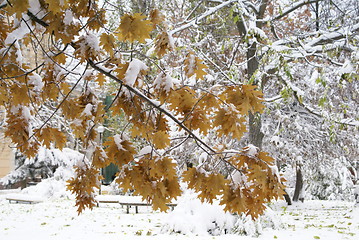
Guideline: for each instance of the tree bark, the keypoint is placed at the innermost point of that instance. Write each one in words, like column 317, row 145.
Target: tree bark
column 298, row 185
column 287, row 198
column 255, row 134
column 317, row 15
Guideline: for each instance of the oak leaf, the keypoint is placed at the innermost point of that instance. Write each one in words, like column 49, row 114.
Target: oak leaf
column 119, row 150
column 83, row 186
column 234, row 200
column 229, row 122
column 101, row 79
column 245, row 98
column 107, row 41
column 52, row 135
column 18, row 7
column 156, row 17
column 100, row 158
column 134, row 28
column 182, row 100
column 57, row 6
column 121, row 70
column 161, row 139
column 194, row 66
column 163, row 43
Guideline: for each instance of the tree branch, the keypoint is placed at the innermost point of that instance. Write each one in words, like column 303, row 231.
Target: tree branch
column 152, row 103
column 293, row 8
column 348, row 122
column 194, row 21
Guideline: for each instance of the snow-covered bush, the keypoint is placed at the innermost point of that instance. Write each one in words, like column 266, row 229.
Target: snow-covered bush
column 191, row 216
column 331, row 182
column 49, row 163
column 247, row 226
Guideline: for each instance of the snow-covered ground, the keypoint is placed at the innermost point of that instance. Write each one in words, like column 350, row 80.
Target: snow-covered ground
column 58, row 219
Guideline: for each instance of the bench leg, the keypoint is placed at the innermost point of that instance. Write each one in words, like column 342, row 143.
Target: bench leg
column 128, row 209
column 136, row 209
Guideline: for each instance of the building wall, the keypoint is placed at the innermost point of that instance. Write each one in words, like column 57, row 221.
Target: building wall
column 6, row 157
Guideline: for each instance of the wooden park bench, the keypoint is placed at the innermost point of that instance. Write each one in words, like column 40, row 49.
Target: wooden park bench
column 23, row 198
column 107, row 199
column 139, row 204
column 126, row 201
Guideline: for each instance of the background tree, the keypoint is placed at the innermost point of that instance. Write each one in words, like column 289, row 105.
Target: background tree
column 191, row 85
column 77, row 54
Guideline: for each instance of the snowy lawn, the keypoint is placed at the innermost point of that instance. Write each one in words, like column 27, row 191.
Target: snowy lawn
column 57, row 219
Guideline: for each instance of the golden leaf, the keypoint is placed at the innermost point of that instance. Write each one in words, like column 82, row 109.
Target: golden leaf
column 100, row 159
column 163, row 43
column 156, row 17
column 60, row 58
column 134, row 28
column 49, row 134
column 101, row 79
column 57, row 6
column 198, row 120
column 234, row 201
column 266, row 158
column 107, row 42
column 182, row 100
column 161, row 139
column 153, row 178
column 83, row 186
column 65, row 88
column 18, row 7
column 18, row 131
column 121, row 70
column 208, row 101
column 194, row 65
column 239, row 161
column 119, row 151
column 245, row 98
column 71, row 109
column 20, row 94
column 208, row 187
column 229, row 122
column 50, row 91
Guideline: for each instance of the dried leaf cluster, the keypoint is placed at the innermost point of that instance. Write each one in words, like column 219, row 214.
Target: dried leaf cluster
column 150, row 107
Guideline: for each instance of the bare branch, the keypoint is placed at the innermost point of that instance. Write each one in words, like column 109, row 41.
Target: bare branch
column 293, row 8
column 194, row 21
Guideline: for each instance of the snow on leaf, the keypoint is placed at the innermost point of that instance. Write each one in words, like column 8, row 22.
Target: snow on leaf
column 119, row 150
column 156, row 17
column 133, row 70
column 163, row 44
column 194, row 66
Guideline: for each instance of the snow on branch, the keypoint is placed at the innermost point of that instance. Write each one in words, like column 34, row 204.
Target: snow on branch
column 194, row 21
column 333, row 36
column 350, row 122
column 152, row 103
column 293, row 8
column 298, row 96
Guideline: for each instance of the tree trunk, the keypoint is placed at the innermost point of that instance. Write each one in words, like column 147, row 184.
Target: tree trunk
column 298, row 185
column 255, row 134
column 317, row 15
column 287, row 198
